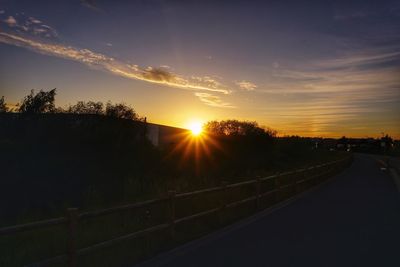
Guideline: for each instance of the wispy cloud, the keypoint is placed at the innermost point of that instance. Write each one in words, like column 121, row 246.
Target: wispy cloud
column 213, row 100
column 358, row 89
column 91, row 4
column 246, row 85
column 33, row 20
column 366, row 70
column 360, row 59
column 157, row 75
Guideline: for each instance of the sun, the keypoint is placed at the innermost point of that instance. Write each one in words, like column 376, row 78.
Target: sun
column 196, row 128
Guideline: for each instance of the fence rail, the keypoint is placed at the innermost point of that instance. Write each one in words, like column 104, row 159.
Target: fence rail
column 72, row 219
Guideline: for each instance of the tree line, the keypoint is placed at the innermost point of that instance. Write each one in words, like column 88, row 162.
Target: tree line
column 44, row 102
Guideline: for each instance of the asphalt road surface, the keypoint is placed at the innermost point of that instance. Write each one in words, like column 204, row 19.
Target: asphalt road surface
column 353, row 220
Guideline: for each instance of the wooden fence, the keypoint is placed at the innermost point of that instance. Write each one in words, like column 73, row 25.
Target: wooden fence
column 312, row 175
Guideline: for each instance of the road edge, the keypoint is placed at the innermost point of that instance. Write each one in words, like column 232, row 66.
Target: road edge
column 165, row 257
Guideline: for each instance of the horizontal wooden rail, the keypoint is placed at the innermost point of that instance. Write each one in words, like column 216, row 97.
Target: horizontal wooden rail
column 122, row 238
column 239, row 202
column 197, row 215
column 197, row 192
column 271, row 177
column 103, row 244
column 74, row 217
column 241, row 184
column 32, row 226
column 91, row 214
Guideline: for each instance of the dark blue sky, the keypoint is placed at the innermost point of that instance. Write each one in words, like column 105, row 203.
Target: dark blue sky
column 317, row 68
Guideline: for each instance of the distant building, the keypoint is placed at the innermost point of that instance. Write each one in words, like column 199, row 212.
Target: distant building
column 165, row 136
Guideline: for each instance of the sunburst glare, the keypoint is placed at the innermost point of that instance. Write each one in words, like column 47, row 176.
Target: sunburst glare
column 196, row 128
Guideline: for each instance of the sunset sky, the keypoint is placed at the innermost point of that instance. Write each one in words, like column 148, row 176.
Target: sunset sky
column 311, row 68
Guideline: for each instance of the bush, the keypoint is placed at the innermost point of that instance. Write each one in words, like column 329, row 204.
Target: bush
column 42, row 102
column 3, row 107
column 121, row 111
column 237, row 128
column 89, row 107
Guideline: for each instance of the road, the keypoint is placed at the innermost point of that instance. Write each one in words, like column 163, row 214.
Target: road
column 353, row 220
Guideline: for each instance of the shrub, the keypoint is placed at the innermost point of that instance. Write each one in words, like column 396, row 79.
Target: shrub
column 89, row 107
column 121, row 111
column 3, row 107
column 42, row 102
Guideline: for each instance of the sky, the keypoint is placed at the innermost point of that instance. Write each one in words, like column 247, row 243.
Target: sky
column 309, row 68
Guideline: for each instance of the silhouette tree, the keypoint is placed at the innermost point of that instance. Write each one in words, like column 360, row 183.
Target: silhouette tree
column 237, row 128
column 89, row 107
column 242, row 145
column 386, row 143
column 121, row 111
column 3, row 107
column 42, row 102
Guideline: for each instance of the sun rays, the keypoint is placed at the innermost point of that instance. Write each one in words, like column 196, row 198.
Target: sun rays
column 195, row 147
column 196, row 128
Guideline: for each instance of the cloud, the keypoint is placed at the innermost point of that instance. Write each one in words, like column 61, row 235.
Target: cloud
column 357, row 89
column 40, row 38
column 32, row 26
column 33, row 20
column 11, row 21
column 109, row 64
column 213, row 100
column 360, row 59
column 370, row 69
column 47, row 30
column 160, row 74
column 210, row 83
column 246, row 85
column 91, row 4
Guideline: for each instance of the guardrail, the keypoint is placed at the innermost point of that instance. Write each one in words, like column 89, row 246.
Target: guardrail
column 73, row 217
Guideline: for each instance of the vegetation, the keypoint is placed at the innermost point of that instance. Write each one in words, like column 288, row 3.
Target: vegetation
column 3, row 106
column 93, row 155
column 89, row 107
column 121, row 111
column 237, row 128
column 90, row 156
column 42, row 102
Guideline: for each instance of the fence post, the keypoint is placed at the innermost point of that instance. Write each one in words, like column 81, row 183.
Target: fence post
column 258, row 188
column 223, row 201
column 72, row 215
column 171, row 208
column 277, row 189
